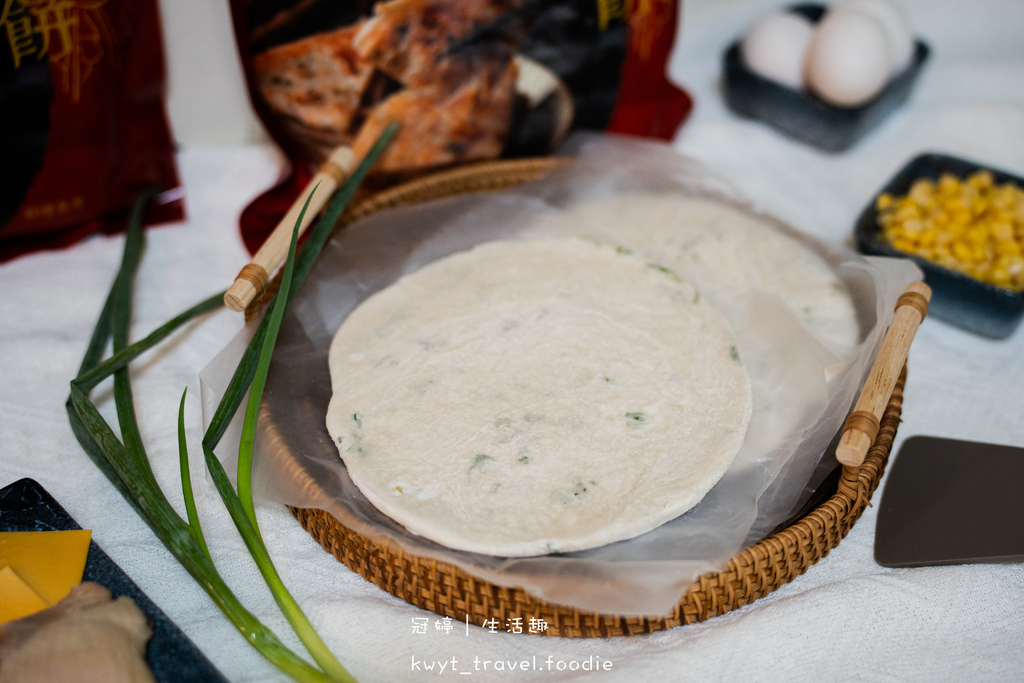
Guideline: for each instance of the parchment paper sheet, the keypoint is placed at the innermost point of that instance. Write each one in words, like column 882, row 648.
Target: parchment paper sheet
column 797, row 413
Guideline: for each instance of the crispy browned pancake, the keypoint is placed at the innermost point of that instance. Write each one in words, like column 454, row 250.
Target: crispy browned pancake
column 344, row 86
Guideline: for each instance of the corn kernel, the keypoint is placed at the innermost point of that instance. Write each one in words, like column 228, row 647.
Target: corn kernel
column 981, row 179
column 913, row 226
column 1003, row 230
column 928, row 237
column 975, row 234
column 973, row 225
column 1008, row 248
column 961, row 252
column 907, row 213
column 958, row 225
column 957, row 205
column 948, row 183
column 921, row 192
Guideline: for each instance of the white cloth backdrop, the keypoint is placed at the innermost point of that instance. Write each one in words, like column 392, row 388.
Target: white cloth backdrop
column 846, row 619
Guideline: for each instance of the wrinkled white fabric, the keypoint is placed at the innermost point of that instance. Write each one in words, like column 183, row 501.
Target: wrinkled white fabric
column 845, row 619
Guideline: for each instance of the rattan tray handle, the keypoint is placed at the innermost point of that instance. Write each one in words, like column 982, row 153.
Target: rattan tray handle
column 862, row 424
column 253, row 278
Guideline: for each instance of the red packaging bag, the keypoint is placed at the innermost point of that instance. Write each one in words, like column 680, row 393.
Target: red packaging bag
column 83, row 129
column 467, row 80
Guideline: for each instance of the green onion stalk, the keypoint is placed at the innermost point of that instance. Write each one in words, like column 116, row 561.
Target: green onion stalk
column 125, row 463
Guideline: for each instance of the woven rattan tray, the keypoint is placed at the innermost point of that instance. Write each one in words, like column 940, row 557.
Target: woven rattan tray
column 451, row 592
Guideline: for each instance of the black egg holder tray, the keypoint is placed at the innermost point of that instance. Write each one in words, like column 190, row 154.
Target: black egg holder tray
column 803, row 116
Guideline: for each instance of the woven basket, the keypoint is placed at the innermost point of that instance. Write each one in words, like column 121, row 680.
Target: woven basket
column 452, row 592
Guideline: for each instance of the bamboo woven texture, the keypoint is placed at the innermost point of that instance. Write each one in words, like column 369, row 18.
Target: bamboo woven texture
column 450, row 591
column 751, row 574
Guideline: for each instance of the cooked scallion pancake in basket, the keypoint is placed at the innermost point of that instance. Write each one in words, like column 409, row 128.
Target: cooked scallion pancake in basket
column 537, row 396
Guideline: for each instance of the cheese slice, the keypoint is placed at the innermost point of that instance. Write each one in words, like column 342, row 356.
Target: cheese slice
column 50, row 562
column 17, row 599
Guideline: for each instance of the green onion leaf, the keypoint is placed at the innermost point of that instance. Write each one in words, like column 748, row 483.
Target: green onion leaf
column 134, row 480
column 186, row 483
column 296, row 617
column 124, row 462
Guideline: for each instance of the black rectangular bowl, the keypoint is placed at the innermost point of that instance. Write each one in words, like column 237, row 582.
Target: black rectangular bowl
column 960, row 299
column 26, row 506
column 803, row 116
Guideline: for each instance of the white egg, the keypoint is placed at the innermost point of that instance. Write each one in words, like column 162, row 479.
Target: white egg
column 848, row 60
column 775, row 47
column 892, row 18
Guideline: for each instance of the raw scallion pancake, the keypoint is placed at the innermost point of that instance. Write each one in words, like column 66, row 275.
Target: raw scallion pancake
column 723, row 248
column 537, row 396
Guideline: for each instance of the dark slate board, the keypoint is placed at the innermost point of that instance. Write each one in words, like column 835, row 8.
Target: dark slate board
column 173, row 658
